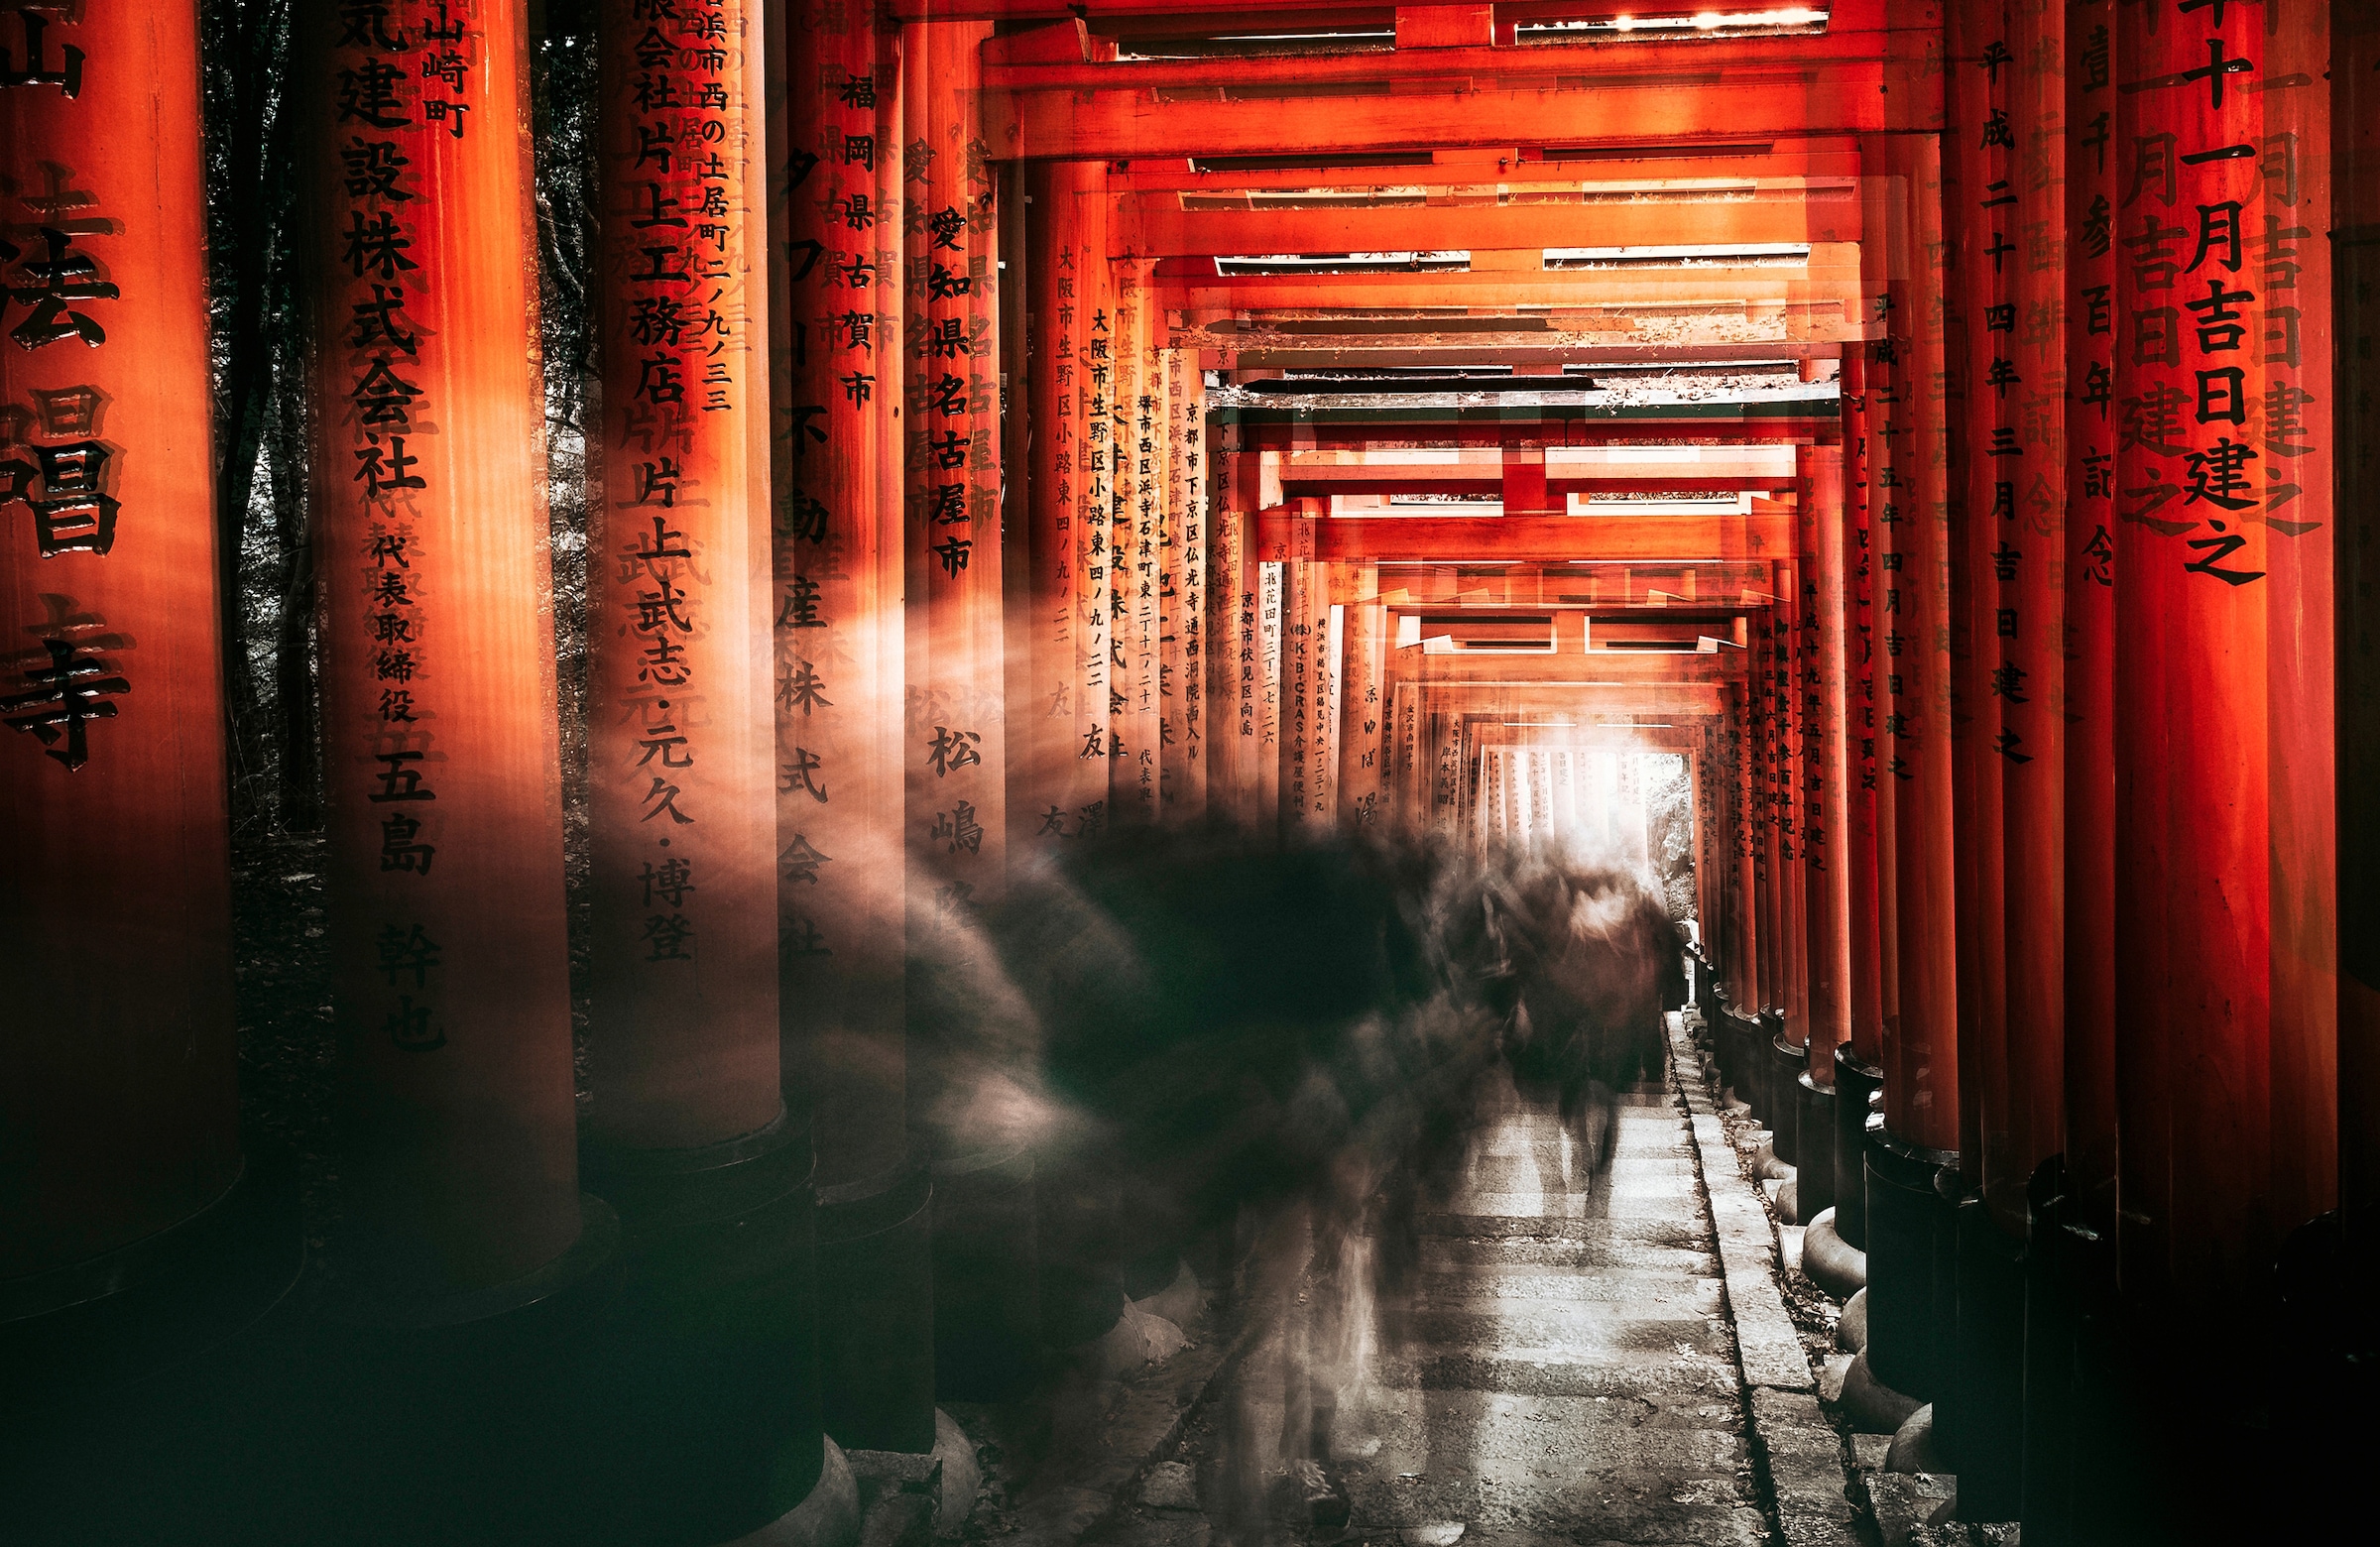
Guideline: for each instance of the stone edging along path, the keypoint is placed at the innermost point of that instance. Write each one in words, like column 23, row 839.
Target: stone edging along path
column 1797, row 1453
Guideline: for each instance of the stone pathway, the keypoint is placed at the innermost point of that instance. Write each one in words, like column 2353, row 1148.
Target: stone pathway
column 1570, row 1371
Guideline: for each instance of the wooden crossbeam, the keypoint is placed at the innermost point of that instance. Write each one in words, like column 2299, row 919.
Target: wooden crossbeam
column 1163, row 228
column 1710, row 344
column 1768, row 167
column 1677, row 423
column 1533, row 540
column 1110, row 121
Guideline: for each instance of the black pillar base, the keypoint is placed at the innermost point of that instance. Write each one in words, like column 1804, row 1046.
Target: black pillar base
column 80, row 1333
column 876, row 1310
column 1782, row 1081
column 1907, row 1223
column 1856, row 1086
column 702, row 1410
column 1985, row 1440
column 987, row 1276
column 2052, row 1312
column 1813, row 1126
column 464, row 1418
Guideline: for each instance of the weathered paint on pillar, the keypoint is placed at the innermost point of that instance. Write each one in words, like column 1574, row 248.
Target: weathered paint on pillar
column 838, row 619
column 2193, row 743
column 118, row 1085
column 1826, row 852
column 2092, row 163
column 449, row 964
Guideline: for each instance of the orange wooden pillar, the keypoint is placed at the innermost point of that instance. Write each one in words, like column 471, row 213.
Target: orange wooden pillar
column 2028, row 560
column 117, row 1082
column 1921, row 1093
column 1990, row 477
column 955, row 746
column 1191, row 646
column 2294, row 264
column 1095, row 407
column 954, row 737
column 1857, row 1060
column 2094, row 162
column 1788, row 772
column 1746, row 976
column 1919, row 1127
column 449, row 965
column 1821, row 690
column 2193, row 743
column 682, row 1041
column 1068, row 632
column 1136, row 727
column 838, row 609
column 843, row 887
column 1364, row 741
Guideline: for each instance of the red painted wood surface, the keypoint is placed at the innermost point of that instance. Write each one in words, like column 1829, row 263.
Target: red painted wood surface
column 2033, row 585
column 1863, row 722
column 841, row 875
column 1921, row 1101
column 2192, row 744
column 1828, row 849
column 2087, row 1002
column 682, row 1037
column 1989, row 479
column 116, row 1083
column 449, row 965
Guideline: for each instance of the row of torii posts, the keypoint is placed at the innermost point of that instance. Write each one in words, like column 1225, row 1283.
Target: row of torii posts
column 2059, row 896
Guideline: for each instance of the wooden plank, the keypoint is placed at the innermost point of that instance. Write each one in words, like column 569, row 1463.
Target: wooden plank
column 1597, row 64
column 1117, row 123
column 1774, row 167
column 1169, row 230
column 1536, row 539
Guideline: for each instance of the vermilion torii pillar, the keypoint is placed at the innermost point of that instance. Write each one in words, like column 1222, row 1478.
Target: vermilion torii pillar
column 1820, row 686
column 837, row 619
column 2028, row 555
column 2295, row 264
column 683, row 1043
column 1191, row 640
column 1922, row 1083
column 1066, row 640
column 1990, row 477
column 117, row 1085
column 449, row 967
column 2193, row 707
column 955, row 747
column 2087, row 1008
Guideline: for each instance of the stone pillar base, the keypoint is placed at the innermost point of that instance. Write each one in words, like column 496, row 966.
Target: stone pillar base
column 1839, row 1269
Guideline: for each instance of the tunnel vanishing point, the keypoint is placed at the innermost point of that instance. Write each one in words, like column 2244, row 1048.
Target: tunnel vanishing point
column 1033, row 443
